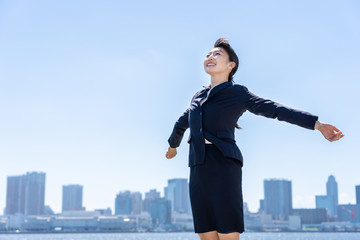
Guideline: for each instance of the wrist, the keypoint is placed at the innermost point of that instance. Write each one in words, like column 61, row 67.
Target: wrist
column 318, row 125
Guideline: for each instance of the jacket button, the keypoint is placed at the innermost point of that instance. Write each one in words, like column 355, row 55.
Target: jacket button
column 200, row 129
column 200, row 113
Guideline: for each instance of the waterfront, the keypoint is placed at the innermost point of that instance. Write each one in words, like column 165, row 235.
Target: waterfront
column 178, row 236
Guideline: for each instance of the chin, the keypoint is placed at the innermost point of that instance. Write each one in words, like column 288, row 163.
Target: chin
column 209, row 71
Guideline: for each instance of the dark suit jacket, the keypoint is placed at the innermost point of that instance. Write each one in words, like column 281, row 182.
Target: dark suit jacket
column 216, row 118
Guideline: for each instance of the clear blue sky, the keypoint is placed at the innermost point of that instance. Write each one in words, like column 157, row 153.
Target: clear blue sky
column 90, row 91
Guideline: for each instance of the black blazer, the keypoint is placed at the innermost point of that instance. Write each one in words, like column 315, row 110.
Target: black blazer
column 216, row 117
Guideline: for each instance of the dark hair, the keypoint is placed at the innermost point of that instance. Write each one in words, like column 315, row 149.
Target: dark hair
column 224, row 43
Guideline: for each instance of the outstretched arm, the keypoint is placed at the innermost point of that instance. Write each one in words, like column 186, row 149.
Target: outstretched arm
column 329, row 131
column 271, row 109
column 177, row 134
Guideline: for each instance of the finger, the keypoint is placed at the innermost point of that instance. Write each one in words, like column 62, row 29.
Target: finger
column 332, row 138
column 335, row 128
column 336, row 137
column 339, row 132
column 339, row 135
column 331, row 135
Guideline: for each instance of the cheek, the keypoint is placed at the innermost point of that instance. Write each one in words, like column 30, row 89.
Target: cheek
column 222, row 60
column 204, row 63
column 220, row 64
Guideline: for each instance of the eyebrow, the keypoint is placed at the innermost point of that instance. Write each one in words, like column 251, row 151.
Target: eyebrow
column 217, row 50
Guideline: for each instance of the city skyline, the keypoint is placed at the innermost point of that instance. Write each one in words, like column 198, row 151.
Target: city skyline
column 90, row 92
column 277, row 197
column 169, row 213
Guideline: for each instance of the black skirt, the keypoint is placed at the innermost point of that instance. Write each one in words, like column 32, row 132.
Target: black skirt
column 216, row 193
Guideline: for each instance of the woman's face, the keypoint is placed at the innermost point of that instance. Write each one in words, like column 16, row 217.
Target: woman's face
column 217, row 62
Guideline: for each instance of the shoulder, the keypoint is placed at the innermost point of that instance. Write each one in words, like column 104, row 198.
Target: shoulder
column 239, row 88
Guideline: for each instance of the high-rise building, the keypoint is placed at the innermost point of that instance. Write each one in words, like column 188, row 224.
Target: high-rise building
column 278, row 198
column 123, row 203
column 160, row 211
column 327, row 202
column 151, row 195
column 128, row 202
column 357, row 193
column 35, row 193
column 177, row 191
column 72, row 197
column 15, row 195
column 26, row 194
column 332, row 190
column 136, row 202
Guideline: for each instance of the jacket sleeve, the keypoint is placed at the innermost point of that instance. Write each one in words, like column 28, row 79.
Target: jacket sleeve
column 179, row 128
column 271, row 109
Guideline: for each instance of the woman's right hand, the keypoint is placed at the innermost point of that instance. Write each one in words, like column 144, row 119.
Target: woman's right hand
column 330, row 132
column 171, row 153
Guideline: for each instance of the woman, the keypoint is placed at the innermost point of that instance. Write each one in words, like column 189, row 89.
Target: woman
column 215, row 161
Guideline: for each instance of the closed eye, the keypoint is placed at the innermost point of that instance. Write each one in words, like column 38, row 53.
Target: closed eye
column 214, row 54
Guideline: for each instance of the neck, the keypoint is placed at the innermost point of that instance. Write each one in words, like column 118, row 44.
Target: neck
column 218, row 79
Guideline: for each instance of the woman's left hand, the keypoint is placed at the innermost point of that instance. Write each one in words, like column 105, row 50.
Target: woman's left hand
column 171, row 153
column 330, row 132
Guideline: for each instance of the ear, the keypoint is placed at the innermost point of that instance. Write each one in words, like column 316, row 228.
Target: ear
column 231, row 65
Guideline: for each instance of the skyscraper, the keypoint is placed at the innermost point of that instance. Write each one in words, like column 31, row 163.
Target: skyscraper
column 278, row 198
column 72, row 197
column 15, row 194
column 332, row 190
column 152, row 194
column 149, row 196
column 160, row 211
column 177, row 192
column 26, row 194
column 357, row 191
column 123, row 203
column 35, row 193
column 136, row 202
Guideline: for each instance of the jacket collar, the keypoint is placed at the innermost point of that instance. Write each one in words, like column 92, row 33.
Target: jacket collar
column 219, row 85
column 216, row 89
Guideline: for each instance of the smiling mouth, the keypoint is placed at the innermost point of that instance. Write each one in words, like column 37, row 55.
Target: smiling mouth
column 211, row 64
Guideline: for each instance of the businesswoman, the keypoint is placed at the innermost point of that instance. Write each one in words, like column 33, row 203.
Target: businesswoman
column 215, row 161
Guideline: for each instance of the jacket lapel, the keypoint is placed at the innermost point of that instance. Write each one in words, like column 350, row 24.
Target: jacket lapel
column 217, row 89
